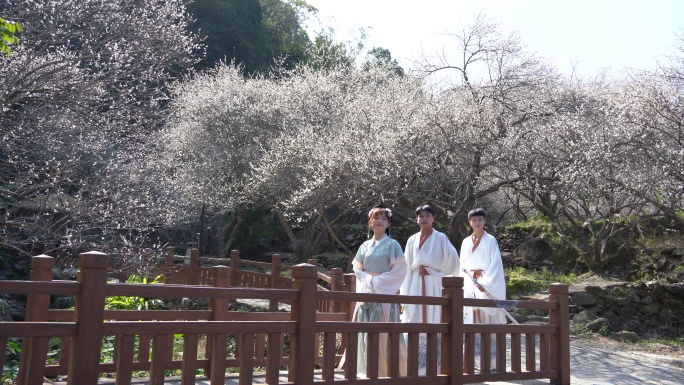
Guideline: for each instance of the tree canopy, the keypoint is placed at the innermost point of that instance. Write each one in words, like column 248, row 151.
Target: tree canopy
column 85, row 88
column 253, row 33
column 327, row 139
column 109, row 134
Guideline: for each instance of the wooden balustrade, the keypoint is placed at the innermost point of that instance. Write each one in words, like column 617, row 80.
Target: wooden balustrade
column 143, row 340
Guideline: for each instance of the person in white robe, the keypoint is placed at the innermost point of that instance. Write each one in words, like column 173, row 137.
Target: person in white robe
column 481, row 260
column 429, row 256
column 380, row 268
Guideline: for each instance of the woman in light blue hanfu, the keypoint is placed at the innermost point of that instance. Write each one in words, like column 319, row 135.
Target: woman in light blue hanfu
column 380, row 268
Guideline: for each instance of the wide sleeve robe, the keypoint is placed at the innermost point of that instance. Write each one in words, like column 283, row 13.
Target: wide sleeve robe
column 380, row 268
column 487, row 257
column 440, row 258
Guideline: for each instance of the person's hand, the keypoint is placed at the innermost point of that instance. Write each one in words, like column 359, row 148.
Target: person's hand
column 479, row 287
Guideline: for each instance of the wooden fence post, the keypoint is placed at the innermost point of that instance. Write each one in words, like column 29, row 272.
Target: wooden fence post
column 34, row 351
column 194, row 267
column 336, row 284
column 302, row 343
column 276, row 262
column 234, row 268
column 170, row 252
column 350, row 287
column 89, row 316
column 560, row 343
column 452, row 313
column 217, row 343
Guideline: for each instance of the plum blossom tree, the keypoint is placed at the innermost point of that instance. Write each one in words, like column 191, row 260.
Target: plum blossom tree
column 305, row 142
column 320, row 142
column 496, row 93
column 655, row 115
column 85, row 87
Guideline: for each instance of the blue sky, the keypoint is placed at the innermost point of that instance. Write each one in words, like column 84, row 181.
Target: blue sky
column 591, row 34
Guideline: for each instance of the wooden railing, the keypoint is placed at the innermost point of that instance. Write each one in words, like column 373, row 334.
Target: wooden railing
column 298, row 340
column 272, row 277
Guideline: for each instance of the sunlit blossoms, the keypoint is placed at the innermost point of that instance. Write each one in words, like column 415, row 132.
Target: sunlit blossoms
column 84, row 88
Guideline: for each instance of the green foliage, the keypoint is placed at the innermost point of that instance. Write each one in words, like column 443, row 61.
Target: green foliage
column 253, row 226
column 605, row 330
column 135, row 302
column 562, row 253
column 3, row 306
column 680, row 214
column 382, row 58
column 520, row 282
column 254, row 33
column 11, row 367
column 8, row 35
column 677, row 342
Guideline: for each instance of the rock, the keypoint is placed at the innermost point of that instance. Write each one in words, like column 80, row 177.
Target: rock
column 594, row 289
column 626, row 311
column 622, row 302
column 533, row 250
column 574, row 309
column 648, row 251
column 67, row 274
column 653, row 308
column 676, row 289
column 661, row 264
column 583, row 317
column 583, row 299
column 521, row 318
column 647, row 300
column 613, row 320
column 626, row 336
column 667, row 250
column 597, row 325
column 13, row 309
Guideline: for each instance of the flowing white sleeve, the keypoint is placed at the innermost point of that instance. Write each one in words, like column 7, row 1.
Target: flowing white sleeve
column 493, row 279
column 408, row 253
column 390, row 282
column 452, row 264
column 363, row 279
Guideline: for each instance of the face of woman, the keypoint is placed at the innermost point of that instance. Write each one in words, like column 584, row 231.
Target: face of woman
column 425, row 220
column 380, row 223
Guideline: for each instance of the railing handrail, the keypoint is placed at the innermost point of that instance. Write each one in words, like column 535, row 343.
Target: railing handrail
column 85, row 327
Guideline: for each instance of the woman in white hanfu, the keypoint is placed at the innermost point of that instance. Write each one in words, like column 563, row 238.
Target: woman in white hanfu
column 380, row 268
column 481, row 262
column 429, row 256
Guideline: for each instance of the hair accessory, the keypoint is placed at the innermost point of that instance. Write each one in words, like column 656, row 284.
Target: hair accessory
column 389, row 212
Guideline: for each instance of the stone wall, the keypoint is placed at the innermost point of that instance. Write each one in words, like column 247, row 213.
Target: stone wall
column 645, row 309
